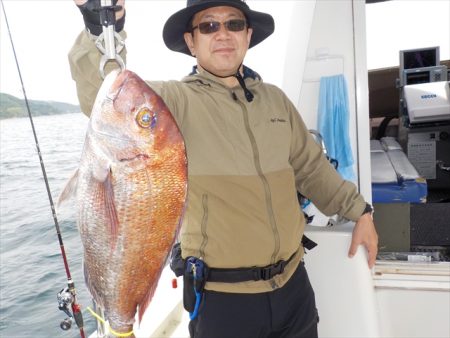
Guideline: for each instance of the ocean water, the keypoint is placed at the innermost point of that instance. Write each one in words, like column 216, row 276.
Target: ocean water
column 31, row 266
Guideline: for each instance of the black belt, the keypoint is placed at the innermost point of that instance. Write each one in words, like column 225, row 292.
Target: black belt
column 254, row 273
column 178, row 265
column 247, row 274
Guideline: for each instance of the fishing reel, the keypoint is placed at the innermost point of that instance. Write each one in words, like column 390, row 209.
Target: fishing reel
column 65, row 300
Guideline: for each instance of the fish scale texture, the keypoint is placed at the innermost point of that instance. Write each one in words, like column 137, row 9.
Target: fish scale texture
column 131, row 192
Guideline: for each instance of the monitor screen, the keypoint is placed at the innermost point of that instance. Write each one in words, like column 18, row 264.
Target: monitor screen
column 419, row 58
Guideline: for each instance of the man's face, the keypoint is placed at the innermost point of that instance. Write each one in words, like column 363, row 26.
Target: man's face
column 223, row 51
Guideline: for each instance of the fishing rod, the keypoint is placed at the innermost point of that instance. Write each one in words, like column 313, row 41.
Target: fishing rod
column 67, row 296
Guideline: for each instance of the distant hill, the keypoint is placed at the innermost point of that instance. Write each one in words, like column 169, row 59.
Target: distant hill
column 11, row 106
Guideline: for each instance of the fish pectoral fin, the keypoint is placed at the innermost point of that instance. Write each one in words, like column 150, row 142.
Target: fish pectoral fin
column 69, row 190
column 110, row 210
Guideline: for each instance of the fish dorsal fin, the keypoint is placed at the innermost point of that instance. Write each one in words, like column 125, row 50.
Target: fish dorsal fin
column 110, row 210
column 69, row 190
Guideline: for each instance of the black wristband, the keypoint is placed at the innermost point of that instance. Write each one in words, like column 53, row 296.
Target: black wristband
column 368, row 209
column 91, row 11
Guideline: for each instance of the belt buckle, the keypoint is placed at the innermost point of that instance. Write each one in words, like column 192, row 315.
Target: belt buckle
column 270, row 271
column 266, row 273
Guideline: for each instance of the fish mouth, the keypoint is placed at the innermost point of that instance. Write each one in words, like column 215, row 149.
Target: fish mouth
column 135, row 158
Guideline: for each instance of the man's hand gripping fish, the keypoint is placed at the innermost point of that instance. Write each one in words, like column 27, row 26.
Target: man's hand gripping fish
column 130, row 192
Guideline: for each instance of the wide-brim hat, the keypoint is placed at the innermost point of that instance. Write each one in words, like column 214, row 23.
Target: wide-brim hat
column 178, row 24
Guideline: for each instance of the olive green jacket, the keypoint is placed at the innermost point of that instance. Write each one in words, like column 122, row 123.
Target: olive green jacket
column 247, row 160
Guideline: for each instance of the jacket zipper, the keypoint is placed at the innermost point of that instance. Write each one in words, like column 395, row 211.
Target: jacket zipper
column 203, row 226
column 265, row 183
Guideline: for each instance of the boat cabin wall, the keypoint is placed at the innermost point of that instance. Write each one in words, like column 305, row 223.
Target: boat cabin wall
column 328, row 38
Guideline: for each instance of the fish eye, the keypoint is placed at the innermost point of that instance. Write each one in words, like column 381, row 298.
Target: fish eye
column 145, row 118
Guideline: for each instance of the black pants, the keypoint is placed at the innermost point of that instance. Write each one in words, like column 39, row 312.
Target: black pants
column 289, row 312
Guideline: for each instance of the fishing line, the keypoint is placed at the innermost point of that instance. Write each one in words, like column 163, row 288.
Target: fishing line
column 71, row 286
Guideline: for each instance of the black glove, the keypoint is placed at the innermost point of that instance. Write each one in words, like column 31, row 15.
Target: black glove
column 94, row 15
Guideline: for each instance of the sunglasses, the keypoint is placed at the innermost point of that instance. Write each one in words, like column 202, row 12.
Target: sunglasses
column 233, row 25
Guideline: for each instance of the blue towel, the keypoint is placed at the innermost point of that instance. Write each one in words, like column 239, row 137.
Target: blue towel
column 333, row 121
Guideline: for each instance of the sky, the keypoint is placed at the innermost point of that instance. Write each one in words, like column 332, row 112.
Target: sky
column 42, row 45
column 43, row 32
column 406, row 24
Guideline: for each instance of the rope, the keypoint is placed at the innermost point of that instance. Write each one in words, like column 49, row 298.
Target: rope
column 117, row 334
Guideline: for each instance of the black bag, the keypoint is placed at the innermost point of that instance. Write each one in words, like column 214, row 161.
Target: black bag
column 194, row 272
column 194, row 280
column 189, row 297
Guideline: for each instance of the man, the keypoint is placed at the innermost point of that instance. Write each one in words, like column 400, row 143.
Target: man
column 249, row 154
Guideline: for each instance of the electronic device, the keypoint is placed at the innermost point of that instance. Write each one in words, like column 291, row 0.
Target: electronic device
column 419, row 58
column 421, row 65
column 427, row 102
